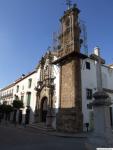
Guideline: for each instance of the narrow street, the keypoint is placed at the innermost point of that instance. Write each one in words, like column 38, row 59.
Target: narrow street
column 14, row 138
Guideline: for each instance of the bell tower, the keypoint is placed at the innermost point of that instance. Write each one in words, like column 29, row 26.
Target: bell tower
column 69, row 117
column 70, row 32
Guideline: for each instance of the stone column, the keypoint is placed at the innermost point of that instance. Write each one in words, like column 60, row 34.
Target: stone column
column 101, row 103
column 98, row 68
column 102, row 136
column 49, row 118
column 36, row 115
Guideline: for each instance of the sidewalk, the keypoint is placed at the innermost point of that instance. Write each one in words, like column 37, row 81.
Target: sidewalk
column 5, row 123
column 68, row 135
column 52, row 133
column 59, row 134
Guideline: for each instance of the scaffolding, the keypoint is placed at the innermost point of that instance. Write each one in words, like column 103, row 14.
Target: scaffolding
column 83, row 36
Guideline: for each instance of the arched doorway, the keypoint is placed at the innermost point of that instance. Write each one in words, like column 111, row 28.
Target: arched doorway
column 43, row 109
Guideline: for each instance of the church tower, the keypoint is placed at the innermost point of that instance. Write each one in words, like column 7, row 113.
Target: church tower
column 69, row 117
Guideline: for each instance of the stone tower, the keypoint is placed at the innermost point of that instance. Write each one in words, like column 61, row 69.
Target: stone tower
column 69, row 118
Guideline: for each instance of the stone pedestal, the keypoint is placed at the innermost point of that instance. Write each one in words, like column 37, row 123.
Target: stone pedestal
column 102, row 136
column 49, row 118
column 36, row 116
column 68, row 120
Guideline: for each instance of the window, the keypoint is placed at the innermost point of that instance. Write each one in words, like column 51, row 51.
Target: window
column 67, row 22
column 28, row 98
column 17, row 90
column 23, row 87
column 16, row 97
column 89, row 106
column 88, row 65
column 89, row 93
column 111, row 120
column 29, row 83
column 22, row 98
column 12, row 91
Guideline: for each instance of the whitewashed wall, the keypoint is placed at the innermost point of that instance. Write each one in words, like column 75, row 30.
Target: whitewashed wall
column 107, row 76
column 89, row 80
column 24, row 89
column 56, row 82
column 5, row 92
column 88, row 77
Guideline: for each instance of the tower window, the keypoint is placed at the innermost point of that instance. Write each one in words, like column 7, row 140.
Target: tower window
column 88, row 65
column 67, row 23
column 89, row 93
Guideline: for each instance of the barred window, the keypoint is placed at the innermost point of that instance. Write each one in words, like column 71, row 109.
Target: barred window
column 89, row 93
column 89, row 106
column 88, row 65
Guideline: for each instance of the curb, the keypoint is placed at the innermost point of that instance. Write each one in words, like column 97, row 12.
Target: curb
column 57, row 134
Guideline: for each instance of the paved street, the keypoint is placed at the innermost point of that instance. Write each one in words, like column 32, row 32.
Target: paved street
column 15, row 138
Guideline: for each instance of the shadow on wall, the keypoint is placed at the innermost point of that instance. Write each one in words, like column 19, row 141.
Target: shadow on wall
column 17, row 116
column 64, row 120
column 69, row 120
column 22, row 118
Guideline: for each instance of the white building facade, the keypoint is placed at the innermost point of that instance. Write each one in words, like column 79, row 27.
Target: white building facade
column 24, row 89
column 7, row 94
column 89, row 87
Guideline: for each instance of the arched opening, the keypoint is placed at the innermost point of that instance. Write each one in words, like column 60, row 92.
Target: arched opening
column 43, row 109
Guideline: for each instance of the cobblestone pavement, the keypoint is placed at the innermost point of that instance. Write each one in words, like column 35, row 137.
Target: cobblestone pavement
column 14, row 138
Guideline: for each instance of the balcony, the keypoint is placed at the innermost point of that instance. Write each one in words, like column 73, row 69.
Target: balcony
column 6, row 95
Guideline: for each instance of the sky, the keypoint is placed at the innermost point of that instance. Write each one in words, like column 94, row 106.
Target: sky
column 27, row 26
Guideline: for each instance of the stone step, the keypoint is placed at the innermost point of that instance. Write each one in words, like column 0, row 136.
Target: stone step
column 41, row 126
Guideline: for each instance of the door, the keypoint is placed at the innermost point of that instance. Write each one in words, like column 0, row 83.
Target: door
column 43, row 109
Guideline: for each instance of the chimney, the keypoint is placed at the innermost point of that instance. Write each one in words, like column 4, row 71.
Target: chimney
column 23, row 75
column 97, row 51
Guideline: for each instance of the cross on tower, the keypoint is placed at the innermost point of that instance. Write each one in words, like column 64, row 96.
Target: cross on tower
column 68, row 3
